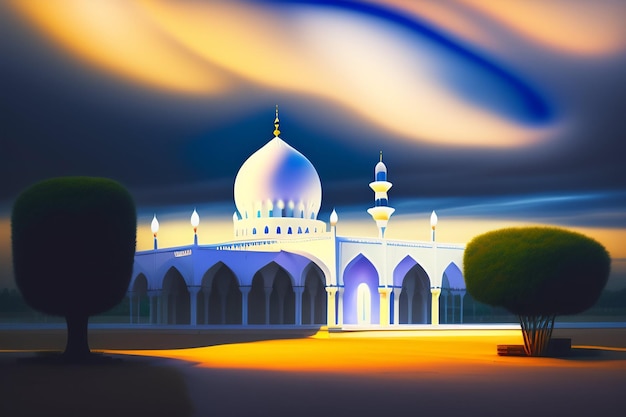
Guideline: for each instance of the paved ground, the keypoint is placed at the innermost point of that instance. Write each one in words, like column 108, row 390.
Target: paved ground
column 317, row 374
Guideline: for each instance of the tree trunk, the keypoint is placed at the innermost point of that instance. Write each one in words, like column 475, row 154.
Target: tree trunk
column 537, row 331
column 77, row 346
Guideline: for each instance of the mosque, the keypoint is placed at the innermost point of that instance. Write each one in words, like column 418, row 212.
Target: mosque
column 286, row 267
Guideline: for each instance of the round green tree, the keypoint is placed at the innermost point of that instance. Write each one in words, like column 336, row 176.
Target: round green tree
column 73, row 244
column 536, row 273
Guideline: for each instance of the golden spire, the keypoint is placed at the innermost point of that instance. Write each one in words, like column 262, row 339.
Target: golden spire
column 276, row 121
column 381, row 156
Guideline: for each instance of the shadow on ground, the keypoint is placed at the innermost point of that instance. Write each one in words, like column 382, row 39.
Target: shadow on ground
column 145, row 339
column 32, row 385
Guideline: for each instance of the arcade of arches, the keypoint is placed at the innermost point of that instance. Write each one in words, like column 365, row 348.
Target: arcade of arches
column 272, row 299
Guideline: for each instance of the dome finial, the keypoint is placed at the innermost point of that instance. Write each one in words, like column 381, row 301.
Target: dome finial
column 276, row 122
column 381, row 156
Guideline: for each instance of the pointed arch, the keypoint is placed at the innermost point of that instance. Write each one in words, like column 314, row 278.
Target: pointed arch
column 182, row 267
column 314, row 295
column 219, row 300
column 176, row 298
column 256, row 300
column 282, row 299
column 415, row 299
column 454, row 277
column 272, row 299
column 140, row 302
column 452, row 293
column 140, row 284
column 401, row 270
column 138, row 271
column 360, row 271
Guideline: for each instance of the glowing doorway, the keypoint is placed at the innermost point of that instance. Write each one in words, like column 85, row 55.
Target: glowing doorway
column 364, row 304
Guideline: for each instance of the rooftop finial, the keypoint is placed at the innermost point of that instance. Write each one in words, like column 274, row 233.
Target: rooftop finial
column 276, row 122
column 381, row 156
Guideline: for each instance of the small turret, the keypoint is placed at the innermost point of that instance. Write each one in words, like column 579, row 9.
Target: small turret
column 381, row 212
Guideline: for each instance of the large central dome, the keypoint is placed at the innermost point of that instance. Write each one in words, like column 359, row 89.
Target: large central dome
column 277, row 181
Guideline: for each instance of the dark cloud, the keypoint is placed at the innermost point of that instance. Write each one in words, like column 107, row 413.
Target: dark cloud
column 61, row 117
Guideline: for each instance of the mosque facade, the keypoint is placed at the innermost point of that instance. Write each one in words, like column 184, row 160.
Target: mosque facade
column 284, row 266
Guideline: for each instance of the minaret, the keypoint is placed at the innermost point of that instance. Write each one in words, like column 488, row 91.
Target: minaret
column 381, row 212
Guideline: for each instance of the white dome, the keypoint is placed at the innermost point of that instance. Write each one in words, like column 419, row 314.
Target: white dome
column 278, row 181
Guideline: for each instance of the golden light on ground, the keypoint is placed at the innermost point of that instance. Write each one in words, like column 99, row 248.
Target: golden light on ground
column 435, row 372
column 383, row 354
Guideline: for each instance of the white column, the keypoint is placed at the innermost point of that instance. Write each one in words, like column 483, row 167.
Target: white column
column 434, row 319
column 244, row 304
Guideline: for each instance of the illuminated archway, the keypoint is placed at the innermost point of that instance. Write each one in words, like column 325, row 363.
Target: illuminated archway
column 360, row 271
column 363, row 304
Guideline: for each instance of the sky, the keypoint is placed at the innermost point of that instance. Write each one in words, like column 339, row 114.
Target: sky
column 494, row 114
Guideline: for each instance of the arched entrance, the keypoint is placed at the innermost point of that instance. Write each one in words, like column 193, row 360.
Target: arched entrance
column 282, row 299
column 452, row 294
column 363, row 304
column 314, row 297
column 219, row 301
column 271, row 299
column 139, row 307
column 176, row 304
column 415, row 298
column 360, row 271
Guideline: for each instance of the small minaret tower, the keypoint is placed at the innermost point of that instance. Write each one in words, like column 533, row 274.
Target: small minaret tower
column 381, row 212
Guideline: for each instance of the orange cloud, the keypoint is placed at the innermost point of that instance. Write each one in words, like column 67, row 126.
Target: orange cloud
column 117, row 36
column 584, row 28
column 368, row 69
